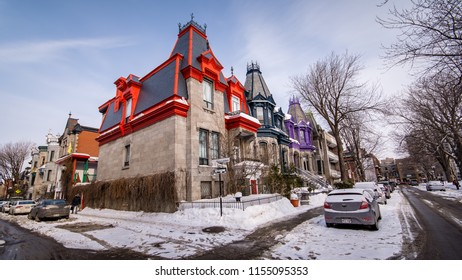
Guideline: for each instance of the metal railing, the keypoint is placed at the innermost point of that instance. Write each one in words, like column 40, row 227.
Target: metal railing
column 312, row 178
column 228, row 203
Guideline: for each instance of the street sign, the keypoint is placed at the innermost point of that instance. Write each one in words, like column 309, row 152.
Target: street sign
column 220, row 170
column 18, row 191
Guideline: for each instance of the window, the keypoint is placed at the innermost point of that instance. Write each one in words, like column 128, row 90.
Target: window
column 128, row 109
column 302, row 136
column 236, row 104
column 127, row 156
column 259, row 113
column 215, row 147
column 203, row 147
column 49, row 175
column 52, row 156
column 207, row 94
column 264, row 152
column 270, row 117
column 206, row 189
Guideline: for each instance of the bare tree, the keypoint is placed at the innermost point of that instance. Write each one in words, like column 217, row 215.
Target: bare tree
column 430, row 115
column 360, row 140
column 12, row 158
column 430, row 32
column 331, row 88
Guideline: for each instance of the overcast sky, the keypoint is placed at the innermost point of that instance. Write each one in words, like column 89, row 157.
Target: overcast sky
column 58, row 57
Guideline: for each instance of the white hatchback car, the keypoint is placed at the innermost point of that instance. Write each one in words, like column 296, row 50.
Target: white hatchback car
column 21, row 207
column 373, row 186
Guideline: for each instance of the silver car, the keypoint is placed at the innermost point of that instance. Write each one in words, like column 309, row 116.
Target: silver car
column 436, row 186
column 352, row 206
column 378, row 193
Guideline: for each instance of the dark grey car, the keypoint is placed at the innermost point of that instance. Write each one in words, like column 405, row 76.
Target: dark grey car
column 50, row 208
column 351, row 206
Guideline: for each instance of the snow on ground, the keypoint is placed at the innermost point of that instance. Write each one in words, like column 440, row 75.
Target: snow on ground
column 313, row 240
column 178, row 235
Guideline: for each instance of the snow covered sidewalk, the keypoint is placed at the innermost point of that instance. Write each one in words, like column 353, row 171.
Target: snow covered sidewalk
column 180, row 235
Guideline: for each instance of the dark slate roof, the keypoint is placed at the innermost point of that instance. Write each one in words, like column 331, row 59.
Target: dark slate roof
column 199, row 45
column 112, row 118
column 296, row 111
column 159, row 87
column 254, row 83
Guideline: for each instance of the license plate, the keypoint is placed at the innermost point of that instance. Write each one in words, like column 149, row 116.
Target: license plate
column 346, row 221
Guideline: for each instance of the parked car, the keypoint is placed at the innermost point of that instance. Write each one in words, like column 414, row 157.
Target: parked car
column 386, row 190
column 378, row 193
column 436, row 186
column 351, row 206
column 391, row 185
column 5, row 208
column 50, row 208
column 4, row 202
column 21, row 207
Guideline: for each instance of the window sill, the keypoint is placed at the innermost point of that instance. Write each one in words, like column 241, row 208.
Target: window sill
column 210, row 111
column 125, row 167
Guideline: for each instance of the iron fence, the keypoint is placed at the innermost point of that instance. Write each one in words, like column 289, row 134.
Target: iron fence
column 228, row 203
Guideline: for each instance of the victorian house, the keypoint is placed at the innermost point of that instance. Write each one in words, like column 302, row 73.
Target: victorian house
column 272, row 143
column 183, row 117
column 43, row 171
column 76, row 151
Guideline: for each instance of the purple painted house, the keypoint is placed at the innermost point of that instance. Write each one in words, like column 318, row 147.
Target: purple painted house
column 301, row 138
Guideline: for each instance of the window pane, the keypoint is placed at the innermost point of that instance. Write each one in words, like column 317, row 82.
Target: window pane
column 260, row 115
column 203, row 143
column 127, row 156
column 236, row 106
column 215, row 145
column 207, row 94
column 128, row 108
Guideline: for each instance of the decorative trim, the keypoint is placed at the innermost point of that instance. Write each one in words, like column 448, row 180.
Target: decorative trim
column 172, row 106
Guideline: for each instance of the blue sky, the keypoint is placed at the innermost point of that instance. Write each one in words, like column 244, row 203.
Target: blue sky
column 58, row 57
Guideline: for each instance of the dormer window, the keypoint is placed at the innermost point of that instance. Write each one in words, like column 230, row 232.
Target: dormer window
column 259, row 113
column 128, row 109
column 236, row 104
column 207, row 87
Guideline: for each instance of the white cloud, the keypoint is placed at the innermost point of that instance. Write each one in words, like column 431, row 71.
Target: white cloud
column 31, row 52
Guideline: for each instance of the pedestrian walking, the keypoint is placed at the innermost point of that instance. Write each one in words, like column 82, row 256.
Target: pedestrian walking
column 75, row 204
column 456, row 183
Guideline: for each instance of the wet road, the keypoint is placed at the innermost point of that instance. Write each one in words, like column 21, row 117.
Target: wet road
column 440, row 221
column 22, row 244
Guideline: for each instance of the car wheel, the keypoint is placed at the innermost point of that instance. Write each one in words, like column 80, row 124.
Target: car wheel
column 66, row 217
column 329, row 225
column 37, row 219
column 375, row 226
column 29, row 216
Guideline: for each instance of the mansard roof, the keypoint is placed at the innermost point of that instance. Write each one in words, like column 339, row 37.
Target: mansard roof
column 255, row 85
column 296, row 111
column 191, row 57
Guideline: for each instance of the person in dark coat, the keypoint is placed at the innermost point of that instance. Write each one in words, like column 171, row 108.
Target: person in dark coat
column 75, row 204
column 456, row 183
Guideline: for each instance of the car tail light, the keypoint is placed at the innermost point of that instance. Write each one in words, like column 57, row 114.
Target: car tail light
column 326, row 205
column 364, row 205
